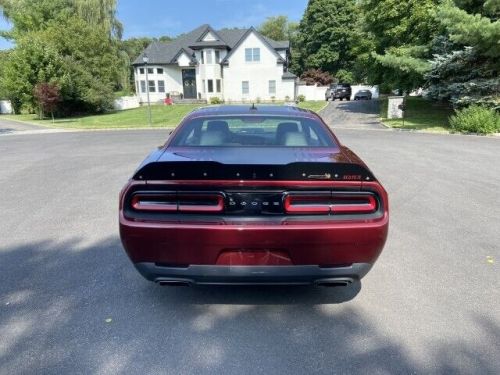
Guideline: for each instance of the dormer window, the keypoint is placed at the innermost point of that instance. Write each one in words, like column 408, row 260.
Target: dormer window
column 209, row 57
column 252, row 54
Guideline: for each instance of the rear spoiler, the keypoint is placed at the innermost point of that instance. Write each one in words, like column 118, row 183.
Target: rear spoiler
column 210, row 170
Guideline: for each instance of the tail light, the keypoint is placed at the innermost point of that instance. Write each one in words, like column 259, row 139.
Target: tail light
column 174, row 202
column 336, row 203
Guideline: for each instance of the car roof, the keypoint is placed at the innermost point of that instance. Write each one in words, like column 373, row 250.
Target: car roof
column 252, row 109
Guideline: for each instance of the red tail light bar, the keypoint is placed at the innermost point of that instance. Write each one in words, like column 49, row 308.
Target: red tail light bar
column 173, row 202
column 330, row 204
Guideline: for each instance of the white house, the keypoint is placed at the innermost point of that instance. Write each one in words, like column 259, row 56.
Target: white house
column 233, row 65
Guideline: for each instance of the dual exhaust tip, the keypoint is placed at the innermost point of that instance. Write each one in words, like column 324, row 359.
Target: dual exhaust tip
column 334, row 282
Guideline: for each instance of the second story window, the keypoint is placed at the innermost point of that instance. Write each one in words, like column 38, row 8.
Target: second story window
column 217, row 57
column 202, row 57
column 252, row 54
column 209, row 57
column 141, row 70
column 159, row 70
column 151, row 71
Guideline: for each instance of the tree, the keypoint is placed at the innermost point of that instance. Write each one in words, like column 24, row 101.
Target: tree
column 70, row 53
column 63, row 43
column 275, row 28
column 326, row 39
column 316, row 76
column 402, row 32
column 465, row 70
column 48, row 96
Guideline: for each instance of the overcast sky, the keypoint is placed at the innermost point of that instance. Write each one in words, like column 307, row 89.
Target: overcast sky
column 160, row 17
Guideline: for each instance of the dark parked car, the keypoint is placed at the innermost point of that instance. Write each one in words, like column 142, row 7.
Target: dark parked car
column 363, row 95
column 338, row 91
column 253, row 195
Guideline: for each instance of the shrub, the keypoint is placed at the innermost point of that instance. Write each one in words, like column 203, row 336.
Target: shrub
column 301, row 98
column 316, row 76
column 475, row 119
column 287, row 98
column 215, row 100
column 273, row 99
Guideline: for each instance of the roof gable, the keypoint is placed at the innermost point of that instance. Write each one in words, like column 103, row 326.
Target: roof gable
column 264, row 40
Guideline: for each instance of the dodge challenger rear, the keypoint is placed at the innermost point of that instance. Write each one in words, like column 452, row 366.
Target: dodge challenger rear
column 253, row 195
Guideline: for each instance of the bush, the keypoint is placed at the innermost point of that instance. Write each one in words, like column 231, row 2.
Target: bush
column 316, row 76
column 475, row 119
column 215, row 100
column 301, row 98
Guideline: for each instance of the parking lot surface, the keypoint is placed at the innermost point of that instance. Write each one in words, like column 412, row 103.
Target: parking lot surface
column 71, row 302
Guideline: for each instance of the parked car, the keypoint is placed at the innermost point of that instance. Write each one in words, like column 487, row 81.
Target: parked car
column 363, row 95
column 253, row 195
column 338, row 91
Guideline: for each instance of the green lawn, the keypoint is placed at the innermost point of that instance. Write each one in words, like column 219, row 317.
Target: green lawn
column 162, row 116
column 314, row 105
column 421, row 114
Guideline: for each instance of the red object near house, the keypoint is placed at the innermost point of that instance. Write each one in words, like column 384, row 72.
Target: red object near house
column 168, row 101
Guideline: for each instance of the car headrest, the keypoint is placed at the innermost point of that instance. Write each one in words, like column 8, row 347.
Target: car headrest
column 295, row 139
column 283, row 128
column 218, row 125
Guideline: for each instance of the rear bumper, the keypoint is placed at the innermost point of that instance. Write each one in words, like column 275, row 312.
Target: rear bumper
column 253, row 275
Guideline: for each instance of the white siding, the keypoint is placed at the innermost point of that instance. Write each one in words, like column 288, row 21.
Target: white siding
column 209, row 37
column 183, row 60
column 209, row 71
column 257, row 73
column 172, row 75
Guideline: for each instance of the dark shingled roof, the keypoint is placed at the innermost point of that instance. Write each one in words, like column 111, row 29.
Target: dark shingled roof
column 288, row 75
column 167, row 53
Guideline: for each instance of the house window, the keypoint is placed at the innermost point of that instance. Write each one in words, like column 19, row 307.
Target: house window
column 161, row 86
column 209, row 57
column 252, row 54
column 202, row 57
column 245, row 87
column 152, row 86
column 159, row 70
column 143, row 86
column 218, row 84
column 151, row 70
column 141, row 70
column 217, row 57
column 272, row 87
column 210, row 85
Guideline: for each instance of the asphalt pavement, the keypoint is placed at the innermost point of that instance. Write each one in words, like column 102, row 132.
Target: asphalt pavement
column 71, row 302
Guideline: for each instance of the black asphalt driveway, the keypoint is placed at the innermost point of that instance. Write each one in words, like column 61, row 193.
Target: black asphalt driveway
column 71, row 302
column 362, row 114
column 9, row 126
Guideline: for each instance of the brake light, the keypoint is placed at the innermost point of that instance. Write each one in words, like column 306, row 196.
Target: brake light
column 173, row 202
column 330, row 204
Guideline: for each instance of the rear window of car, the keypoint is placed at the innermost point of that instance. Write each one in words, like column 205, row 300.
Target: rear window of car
column 253, row 131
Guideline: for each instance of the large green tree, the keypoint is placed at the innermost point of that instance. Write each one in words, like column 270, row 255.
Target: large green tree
column 326, row 38
column 402, row 33
column 466, row 69
column 68, row 44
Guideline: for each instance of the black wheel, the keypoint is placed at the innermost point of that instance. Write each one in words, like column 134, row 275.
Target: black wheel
column 341, row 99
column 349, row 99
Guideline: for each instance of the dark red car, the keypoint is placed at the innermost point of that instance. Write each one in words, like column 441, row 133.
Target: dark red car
column 253, row 195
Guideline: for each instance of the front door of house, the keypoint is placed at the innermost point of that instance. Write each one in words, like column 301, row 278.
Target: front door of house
column 189, row 83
